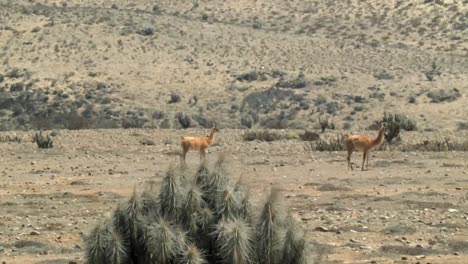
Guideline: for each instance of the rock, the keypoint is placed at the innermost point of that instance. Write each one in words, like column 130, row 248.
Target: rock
column 404, row 258
column 420, row 257
column 451, row 210
column 322, row 229
column 34, row 233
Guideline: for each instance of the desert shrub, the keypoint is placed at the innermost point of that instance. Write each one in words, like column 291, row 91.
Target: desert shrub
column 175, row 98
column 158, row 114
column 332, row 107
column 248, row 76
column 347, row 125
column 436, row 145
column 14, row 73
column 17, row 87
column 133, row 122
column 9, row 138
column 264, row 135
column 247, row 121
column 198, row 218
column 295, row 83
column 74, row 121
column 331, row 144
column 309, row 136
column 441, row 95
column 377, row 95
column 462, row 125
column 184, row 120
column 433, row 72
column 383, row 76
column 325, row 123
column 147, row 31
column 394, row 124
column 43, row 141
column 265, row 101
column 326, row 81
column 275, row 122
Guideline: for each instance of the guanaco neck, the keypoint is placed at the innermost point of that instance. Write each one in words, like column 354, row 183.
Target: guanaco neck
column 211, row 137
column 379, row 138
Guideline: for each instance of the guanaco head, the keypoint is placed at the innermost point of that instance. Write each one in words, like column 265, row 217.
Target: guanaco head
column 383, row 127
column 215, row 127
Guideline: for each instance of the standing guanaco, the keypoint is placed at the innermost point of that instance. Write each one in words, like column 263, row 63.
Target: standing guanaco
column 364, row 144
column 197, row 143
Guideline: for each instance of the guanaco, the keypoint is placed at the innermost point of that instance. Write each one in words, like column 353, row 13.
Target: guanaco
column 364, row 144
column 197, row 143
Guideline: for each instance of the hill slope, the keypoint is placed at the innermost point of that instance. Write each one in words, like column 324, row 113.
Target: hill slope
column 240, row 63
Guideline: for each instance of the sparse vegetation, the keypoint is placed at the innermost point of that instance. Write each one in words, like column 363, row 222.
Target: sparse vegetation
column 175, row 98
column 184, row 120
column 331, row 144
column 296, row 83
column 462, row 125
column 436, row 145
column 43, row 141
column 433, row 72
column 309, row 136
column 10, row 138
column 395, row 123
column 202, row 218
column 325, row 123
column 264, row 135
column 440, row 96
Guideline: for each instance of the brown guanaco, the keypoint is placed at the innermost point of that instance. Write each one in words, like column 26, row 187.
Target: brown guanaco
column 364, row 144
column 197, row 143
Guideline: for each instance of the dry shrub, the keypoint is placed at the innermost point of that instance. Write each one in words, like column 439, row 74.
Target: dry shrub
column 309, row 136
column 264, row 135
column 332, row 144
column 437, row 145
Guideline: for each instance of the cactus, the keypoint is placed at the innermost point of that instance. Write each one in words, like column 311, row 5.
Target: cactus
column 105, row 246
column 207, row 219
column 235, row 242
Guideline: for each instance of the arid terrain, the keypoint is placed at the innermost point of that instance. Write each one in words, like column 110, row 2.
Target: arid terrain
column 408, row 207
column 273, row 64
column 108, row 76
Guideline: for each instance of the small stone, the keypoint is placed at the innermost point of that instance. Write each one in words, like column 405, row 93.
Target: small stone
column 404, row 258
column 451, row 210
column 34, row 233
column 322, row 229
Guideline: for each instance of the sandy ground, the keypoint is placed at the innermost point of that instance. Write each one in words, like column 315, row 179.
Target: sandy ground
column 407, row 208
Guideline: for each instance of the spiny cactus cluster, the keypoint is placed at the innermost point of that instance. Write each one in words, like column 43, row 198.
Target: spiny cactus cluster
column 201, row 218
column 395, row 123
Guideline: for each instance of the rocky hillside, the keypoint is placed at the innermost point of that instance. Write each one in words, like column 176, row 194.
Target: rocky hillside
column 273, row 64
